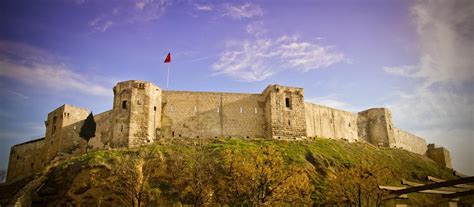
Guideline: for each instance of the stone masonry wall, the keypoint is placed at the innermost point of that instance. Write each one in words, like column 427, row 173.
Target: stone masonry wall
column 73, row 119
column 209, row 115
column 144, row 102
column 142, row 112
column 285, row 112
column 440, row 155
column 410, row 142
column 26, row 158
column 62, row 130
column 103, row 138
column 375, row 126
column 322, row 121
column 121, row 114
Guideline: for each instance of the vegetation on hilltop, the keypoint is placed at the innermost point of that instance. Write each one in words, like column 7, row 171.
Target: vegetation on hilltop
column 236, row 172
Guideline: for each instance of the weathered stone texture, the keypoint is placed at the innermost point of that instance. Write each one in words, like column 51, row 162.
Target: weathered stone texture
column 322, row 121
column 408, row 141
column 440, row 155
column 285, row 112
column 208, row 115
column 103, row 138
column 142, row 113
column 26, row 158
column 375, row 126
column 62, row 130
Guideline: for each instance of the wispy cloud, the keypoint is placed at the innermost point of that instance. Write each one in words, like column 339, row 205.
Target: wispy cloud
column 101, row 24
column 203, row 7
column 129, row 12
column 443, row 96
column 38, row 68
column 332, row 101
column 242, row 11
column 256, row 60
column 256, row 28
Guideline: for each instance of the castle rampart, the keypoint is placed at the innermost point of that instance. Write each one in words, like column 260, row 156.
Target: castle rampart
column 142, row 113
column 322, row 121
column 26, row 158
column 409, row 141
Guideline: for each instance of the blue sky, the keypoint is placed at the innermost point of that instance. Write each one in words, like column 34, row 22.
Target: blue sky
column 413, row 57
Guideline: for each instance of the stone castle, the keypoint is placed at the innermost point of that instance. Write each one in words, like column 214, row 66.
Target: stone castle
column 143, row 113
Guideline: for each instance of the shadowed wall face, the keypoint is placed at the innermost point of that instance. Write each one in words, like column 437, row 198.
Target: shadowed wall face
column 26, row 159
column 440, row 155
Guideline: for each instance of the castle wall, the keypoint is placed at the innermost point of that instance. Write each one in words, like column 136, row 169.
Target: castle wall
column 322, row 121
column 142, row 113
column 26, row 158
column 208, row 115
column 103, row 138
column 410, row 142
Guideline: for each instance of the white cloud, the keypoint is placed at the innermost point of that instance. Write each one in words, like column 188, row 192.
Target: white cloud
column 38, row 68
column 404, row 70
column 242, row 11
column 101, row 24
column 332, row 101
column 256, row 28
column 441, row 101
column 256, row 60
column 203, row 7
column 129, row 12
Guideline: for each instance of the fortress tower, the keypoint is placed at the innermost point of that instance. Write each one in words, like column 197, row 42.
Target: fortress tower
column 376, row 127
column 136, row 113
column 60, row 130
column 284, row 112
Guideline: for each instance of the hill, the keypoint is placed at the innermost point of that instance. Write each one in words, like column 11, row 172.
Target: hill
column 228, row 171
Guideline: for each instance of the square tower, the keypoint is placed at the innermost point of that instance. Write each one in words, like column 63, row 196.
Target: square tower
column 136, row 113
column 284, row 112
column 440, row 155
column 57, row 138
column 375, row 126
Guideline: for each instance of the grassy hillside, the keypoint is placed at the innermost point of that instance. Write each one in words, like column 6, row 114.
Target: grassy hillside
column 233, row 171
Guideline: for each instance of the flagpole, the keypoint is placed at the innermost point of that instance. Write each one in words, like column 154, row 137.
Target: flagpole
column 168, row 76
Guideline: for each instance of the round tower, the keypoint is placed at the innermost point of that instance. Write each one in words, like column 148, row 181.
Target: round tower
column 136, row 113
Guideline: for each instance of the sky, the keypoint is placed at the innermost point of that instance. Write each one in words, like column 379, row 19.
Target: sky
column 413, row 57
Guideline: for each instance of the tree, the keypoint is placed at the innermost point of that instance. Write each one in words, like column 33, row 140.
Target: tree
column 88, row 129
column 190, row 176
column 262, row 180
column 134, row 173
column 358, row 185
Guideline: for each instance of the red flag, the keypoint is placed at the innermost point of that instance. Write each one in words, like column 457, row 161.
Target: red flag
column 168, row 58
